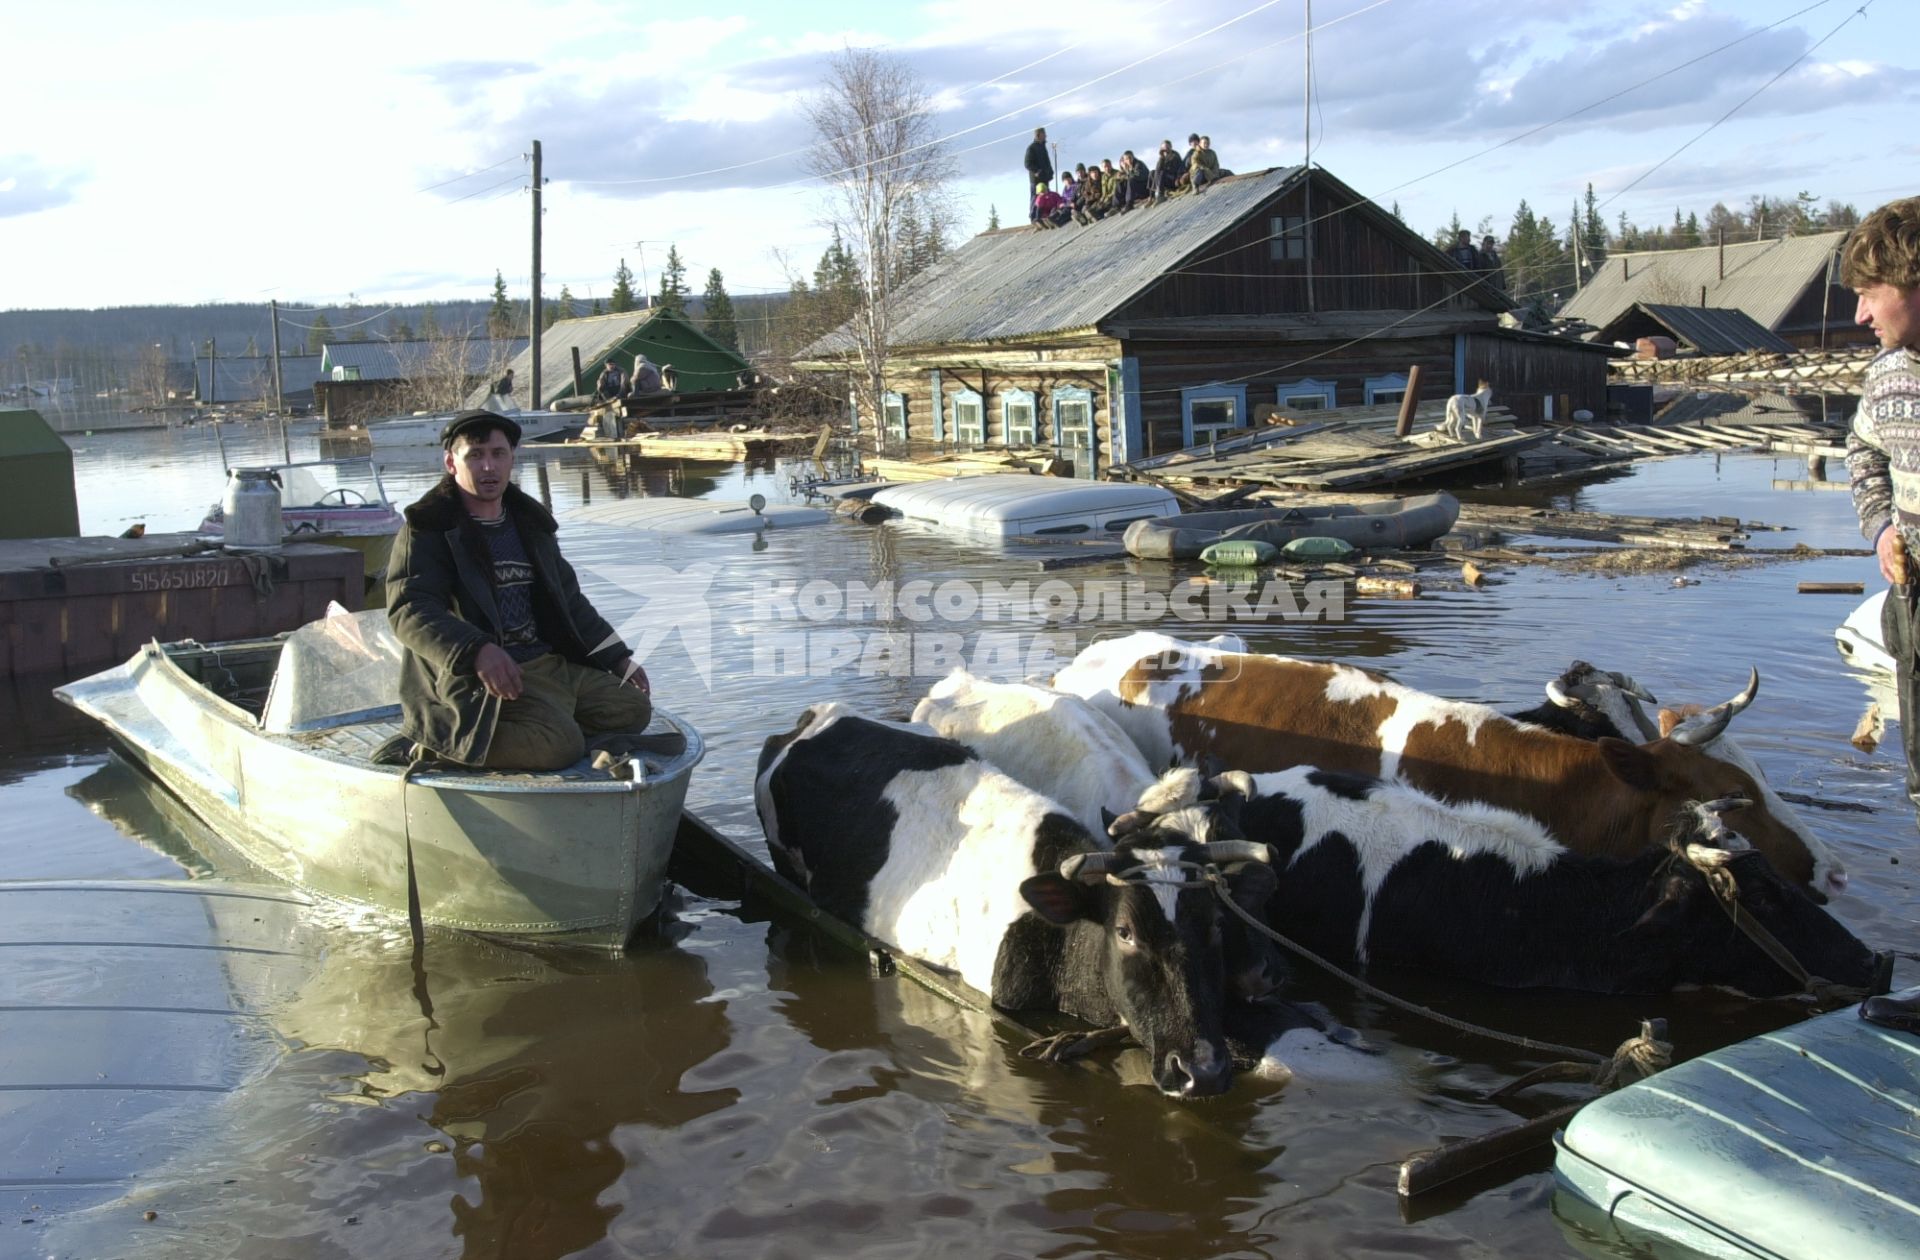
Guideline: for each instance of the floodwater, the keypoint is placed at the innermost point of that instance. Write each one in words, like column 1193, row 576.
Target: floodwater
column 738, row 1088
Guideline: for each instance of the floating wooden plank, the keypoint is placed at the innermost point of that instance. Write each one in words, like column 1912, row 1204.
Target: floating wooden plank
column 1833, row 588
column 1828, row 487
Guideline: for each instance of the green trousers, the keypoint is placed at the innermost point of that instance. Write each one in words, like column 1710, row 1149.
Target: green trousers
column 561, row 706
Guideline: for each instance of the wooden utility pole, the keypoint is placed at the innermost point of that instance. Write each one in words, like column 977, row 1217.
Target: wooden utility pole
column 533, row 306
column 1306, row 159
column 213, row 379
column 279, row 400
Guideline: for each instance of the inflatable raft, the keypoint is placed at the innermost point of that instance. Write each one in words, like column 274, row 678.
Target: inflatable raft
column 1412, row 522
column 1799, row 1143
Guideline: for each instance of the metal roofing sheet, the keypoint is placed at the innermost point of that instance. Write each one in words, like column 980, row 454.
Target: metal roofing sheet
column 1763, row 278
column 1715, row 330
column 1022, row 281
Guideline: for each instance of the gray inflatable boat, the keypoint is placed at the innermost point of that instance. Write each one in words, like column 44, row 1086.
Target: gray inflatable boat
column 1390, row 523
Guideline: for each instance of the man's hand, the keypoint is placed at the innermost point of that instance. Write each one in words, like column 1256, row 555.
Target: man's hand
column 499, row 673
column 633, row 676
column 1893, row 556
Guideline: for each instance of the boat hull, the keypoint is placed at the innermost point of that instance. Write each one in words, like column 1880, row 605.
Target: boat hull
column 1390, row 523
column 578, row 862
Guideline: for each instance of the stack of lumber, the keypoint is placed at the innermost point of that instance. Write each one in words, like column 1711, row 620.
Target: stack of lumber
column 957, row 464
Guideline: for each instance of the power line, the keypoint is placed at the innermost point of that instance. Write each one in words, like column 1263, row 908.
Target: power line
column 469, row 175
column 1744, row 102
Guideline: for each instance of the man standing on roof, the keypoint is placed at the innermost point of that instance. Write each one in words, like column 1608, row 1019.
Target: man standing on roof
column 1463, row 251
column 506, row 664
column 1881, row 263
column 1039, row 169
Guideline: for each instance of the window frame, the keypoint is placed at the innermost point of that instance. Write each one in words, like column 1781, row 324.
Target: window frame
column 1286, row 238
column 1304, row 387
column 1235, row 394
column 1393, row 383
column 971, row 399
column 888, row 402
column 1015, row 397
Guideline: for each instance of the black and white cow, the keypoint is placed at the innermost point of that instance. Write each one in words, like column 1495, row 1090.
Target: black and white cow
column 929, row 848
column 1376, row 871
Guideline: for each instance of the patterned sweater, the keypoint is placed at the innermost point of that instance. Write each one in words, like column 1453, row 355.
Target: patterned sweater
column 1883, row 450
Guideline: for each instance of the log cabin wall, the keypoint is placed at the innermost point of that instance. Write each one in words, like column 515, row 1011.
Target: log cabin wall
column 1527, row 373
column 995, row 382
column 1168, row 368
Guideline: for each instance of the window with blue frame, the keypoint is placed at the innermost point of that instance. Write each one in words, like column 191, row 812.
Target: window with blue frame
column 1305, row 395
column 1386, row 389
column 896, row 417
column 969, row 419
column 1017, row 423
column 1209, row 412
column 1073, row 417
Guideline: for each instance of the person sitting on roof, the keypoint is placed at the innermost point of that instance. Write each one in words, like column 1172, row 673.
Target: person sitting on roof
column 1048, row 209
column 1069, row 194
column 611, row 383
column 646, row 377
column 1087, row 206
column 1205, row 167
column 1133, row 181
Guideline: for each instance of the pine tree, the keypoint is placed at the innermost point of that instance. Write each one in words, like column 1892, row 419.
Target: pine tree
column 398, row 329
column 597, row 308
column 558, row 309
column 1396, row 212
column 673, row 284
column 1690, row 234
column 720, row 323
column 1593, row 234
column 622, row 300
column 500, row 311
column 993, row 218
column 429, row 323
column 319, row 333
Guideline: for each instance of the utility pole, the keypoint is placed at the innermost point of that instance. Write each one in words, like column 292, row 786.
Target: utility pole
column 1306, row 160
column 279, row 400
column 533, row 307
column 213, row 378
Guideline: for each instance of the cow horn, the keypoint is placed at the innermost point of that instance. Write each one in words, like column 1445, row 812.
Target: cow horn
column 1087, row 868
column 1235, row 851
column 1700, row 731
column 1626, row 683
column 1707, row 858
column 1558, row 695
column 1132, row 820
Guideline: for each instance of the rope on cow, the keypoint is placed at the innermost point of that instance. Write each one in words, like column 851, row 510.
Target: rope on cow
column 1588, row 1057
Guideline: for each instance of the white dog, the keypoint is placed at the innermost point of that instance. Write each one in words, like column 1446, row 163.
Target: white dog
column 1466, row 414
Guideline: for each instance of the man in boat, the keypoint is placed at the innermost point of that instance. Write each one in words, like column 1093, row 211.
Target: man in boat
column 507, row 665
column 1881, row 264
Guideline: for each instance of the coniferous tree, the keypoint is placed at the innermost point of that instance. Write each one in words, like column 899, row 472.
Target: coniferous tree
column 398, row 329
column 558, row 309
column 1593, row 234
column 319, row 333
column 720, row 323
column 597, row 308
column 673, row 284
column 429, row 322
column 622, row 299
column 993, row 218
column 499, row 311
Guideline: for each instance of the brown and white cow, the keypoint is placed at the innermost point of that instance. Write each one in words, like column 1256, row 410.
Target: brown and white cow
column 1180, row 702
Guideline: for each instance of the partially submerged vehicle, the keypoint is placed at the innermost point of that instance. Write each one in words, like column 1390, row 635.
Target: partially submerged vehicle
column 1018, row 505
column 271, row 742
column 340, row 502
column 1395, row 523
column 1860, row 640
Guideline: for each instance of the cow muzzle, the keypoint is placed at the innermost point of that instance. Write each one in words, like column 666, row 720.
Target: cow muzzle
column 1202, row 1074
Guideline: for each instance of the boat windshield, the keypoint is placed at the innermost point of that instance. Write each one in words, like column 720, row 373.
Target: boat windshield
column 330, row 483
column 341, row 669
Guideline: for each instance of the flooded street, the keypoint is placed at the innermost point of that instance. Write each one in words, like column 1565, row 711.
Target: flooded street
column 736, row 1088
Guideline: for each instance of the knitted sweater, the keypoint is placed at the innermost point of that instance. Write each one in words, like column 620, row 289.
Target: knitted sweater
column 1883, row 450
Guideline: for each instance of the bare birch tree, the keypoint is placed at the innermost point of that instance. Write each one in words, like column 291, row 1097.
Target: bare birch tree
column 876, row 148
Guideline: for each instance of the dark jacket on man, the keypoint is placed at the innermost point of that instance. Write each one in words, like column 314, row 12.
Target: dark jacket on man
column 441, row 604
column 1039, row 165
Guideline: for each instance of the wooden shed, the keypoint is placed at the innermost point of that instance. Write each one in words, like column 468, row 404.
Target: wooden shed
column 36, row 479
column 1146, row 332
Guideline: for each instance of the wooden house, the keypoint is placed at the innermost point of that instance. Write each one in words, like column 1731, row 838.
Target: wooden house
column 668, row 340
column 1790, row 286
column 1148, row 331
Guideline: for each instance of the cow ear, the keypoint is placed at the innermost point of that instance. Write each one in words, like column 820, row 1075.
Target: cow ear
column 1668, row 720
column 1629, row 763
column 1058, row 900
column 1253, row 884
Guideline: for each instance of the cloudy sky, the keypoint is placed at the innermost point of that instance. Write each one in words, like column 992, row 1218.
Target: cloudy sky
column 207, row 150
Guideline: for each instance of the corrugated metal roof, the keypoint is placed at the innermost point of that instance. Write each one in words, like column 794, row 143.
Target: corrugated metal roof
column 1019, row 282
column 1764, row 278
column 699, row 362
column 1708, row 329
column 251, row 379
column 402, row 360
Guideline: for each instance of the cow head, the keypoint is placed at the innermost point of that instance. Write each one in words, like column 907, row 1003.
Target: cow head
column 1161, row 929
column 1601, row 701
column 1713, row 864
column 1689, row 764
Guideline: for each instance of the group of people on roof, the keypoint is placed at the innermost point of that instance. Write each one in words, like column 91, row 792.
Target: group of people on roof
column 1089, row 192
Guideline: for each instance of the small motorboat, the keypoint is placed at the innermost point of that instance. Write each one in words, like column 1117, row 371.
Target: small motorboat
column 1020, row 505
column 271, row 742
column 1395, row 523
column 336, row 501
column 1859, row 639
